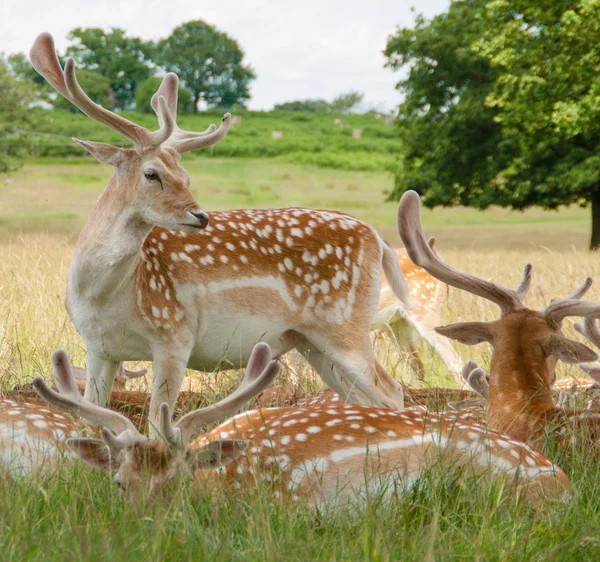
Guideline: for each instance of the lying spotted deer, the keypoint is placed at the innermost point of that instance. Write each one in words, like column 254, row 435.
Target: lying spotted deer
column 327, row 455
column 154, row 278
column 526, row 343
column 409, row 325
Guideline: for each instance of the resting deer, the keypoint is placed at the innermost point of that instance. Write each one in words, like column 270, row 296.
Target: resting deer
column 154, row 278
column 326, row 455
column 526, row 343
column 409, row 325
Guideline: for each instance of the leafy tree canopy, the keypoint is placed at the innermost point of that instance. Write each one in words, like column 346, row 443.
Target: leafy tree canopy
column 344, row 103
column 312, row 106
column 16, row 115
column 124, row 60
column 501, row 104
column 209, row 62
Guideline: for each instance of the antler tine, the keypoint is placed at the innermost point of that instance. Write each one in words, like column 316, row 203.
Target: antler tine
column 420, row 252
column 68, row 398
column 559, row 309
column 467, row 368
column 167, row 123
column 589, row 330
column 525, row 283
column 169, row 89
column 202, row 140
column 478, row 382
column 254, row 382
column 581, row 291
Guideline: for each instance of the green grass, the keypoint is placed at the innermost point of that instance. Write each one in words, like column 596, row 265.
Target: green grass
column 78, row 513
column 47, row 190
column 307, row 138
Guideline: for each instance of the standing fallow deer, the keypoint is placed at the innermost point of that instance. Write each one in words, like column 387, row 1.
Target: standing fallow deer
column 526, row 344
column 152, row 278
column 408, row 325
column 329, row 456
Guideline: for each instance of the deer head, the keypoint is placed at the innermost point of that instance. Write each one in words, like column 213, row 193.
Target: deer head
column 148, row 179
column 145, row 466
column 526, row 343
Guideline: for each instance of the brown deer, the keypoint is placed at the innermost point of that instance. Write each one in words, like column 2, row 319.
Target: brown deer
column 408, row 325
column 154, row 278
column 329, row 456
column 526, row 343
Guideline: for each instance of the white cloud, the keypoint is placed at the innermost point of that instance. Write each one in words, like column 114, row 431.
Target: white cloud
column 311, row 49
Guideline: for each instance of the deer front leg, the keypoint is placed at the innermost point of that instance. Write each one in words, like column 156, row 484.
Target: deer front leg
column 169, row 372
column 100, row 378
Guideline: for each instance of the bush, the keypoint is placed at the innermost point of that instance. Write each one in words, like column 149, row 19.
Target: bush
column 148, row 88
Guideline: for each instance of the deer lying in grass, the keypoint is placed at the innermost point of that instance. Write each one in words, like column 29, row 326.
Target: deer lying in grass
column 154, row 278
column 526, row 344
column 328, row 455
column 409, row 325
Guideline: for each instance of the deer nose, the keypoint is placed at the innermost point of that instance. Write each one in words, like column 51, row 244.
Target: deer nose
column 202, row 218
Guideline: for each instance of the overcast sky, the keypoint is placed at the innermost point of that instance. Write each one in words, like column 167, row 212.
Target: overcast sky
column 310, row 49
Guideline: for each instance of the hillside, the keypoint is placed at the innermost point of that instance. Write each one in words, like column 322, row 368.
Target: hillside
column 321, row 139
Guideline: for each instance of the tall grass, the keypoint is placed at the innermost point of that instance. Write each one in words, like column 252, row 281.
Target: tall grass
column 78, row 513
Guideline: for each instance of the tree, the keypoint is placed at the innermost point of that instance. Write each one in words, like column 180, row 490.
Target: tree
column 501, row 105
column 347, row 102
column 145, row 91
column 209, row 62
column 312, row 106
column 124, row 61
column 16, row 115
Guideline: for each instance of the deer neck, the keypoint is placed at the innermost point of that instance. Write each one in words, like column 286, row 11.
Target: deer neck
column 109, row 247
column 520, row 398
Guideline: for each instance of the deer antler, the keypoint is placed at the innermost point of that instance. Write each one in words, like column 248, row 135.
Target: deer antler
column 44, row 60
column 69, row 398
column 422, row 254
column 184, row 141
column 260, row 373
column 570, row 305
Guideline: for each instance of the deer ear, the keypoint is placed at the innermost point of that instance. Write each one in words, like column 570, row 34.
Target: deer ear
column 568, row 351
column 215, row 454
column 93, row 451
column 104, row 153
column 469, row 333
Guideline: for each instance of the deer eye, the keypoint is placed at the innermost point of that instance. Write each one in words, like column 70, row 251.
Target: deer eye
column 151, row 175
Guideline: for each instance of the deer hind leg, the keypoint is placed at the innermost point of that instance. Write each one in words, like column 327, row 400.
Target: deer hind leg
column 354, row 376
column 100, row 379
column 323, row 365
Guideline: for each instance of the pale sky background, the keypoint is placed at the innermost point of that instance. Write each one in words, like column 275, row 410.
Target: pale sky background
column 310, row 49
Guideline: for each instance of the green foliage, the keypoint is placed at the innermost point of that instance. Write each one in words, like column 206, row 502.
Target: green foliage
column 97, row 87
column 312, row 106
column 16, row 116
column 123, row 60
column 346, row 102
column 501, row 105
column 209, row 62
column 145, row 91
column 307, row 137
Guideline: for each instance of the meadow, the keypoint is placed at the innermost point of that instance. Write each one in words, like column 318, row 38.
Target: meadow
column 78, row 513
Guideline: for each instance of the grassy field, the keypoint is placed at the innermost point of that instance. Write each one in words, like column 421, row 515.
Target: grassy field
column 56, row 195
column 321, row 139
column 78, row 514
